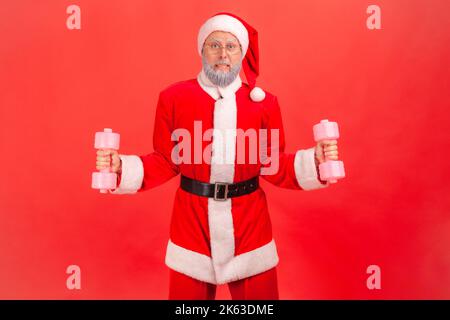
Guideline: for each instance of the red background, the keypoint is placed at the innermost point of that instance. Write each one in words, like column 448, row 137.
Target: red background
column 388, row 89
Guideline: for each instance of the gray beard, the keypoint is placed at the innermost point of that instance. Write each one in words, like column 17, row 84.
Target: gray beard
column 221, row 78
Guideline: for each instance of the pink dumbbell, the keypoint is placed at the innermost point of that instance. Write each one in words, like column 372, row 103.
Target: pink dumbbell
column 105, row 179
column 330, row 170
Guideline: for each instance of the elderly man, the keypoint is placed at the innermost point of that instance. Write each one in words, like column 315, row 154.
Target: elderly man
column 220, row 228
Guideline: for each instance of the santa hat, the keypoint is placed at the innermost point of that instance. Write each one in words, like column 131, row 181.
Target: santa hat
column 248, row 38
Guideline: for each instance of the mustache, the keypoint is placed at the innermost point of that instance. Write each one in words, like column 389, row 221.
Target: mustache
column 223, row 62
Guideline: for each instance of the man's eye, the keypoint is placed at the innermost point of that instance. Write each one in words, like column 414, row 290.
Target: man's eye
column 214, row 46
column 231, row 46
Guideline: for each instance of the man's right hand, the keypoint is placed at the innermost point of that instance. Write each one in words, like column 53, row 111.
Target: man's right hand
column 107, row 158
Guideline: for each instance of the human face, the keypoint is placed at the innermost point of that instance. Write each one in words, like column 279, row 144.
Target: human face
column 222, row 51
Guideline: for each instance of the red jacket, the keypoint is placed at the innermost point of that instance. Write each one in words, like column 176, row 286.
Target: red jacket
column 217, row 241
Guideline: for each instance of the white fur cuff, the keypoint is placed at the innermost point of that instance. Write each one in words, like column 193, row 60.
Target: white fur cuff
column 305, row 170
column 132, row 175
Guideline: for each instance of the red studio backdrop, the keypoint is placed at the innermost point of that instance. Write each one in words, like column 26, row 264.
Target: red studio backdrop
column 387, row 88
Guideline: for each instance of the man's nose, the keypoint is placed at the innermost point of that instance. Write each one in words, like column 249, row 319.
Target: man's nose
column 223, row 53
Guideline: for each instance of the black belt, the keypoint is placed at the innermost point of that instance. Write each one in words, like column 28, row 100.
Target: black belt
column 220, row 191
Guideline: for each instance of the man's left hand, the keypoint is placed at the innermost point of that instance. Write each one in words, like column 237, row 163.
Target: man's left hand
column 326, row 148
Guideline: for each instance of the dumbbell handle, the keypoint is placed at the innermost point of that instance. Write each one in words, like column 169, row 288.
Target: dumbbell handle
column 326, row 130
column 107, row 169
column 104, row 179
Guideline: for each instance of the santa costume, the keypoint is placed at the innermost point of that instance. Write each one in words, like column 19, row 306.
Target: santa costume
column 220, row 228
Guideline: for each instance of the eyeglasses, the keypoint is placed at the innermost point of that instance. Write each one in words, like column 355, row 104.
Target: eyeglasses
column 230, row 48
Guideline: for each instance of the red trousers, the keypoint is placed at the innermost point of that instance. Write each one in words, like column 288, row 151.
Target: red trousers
column 263, row 286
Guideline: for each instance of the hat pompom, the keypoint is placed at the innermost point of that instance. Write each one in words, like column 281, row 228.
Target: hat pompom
column 257, row 94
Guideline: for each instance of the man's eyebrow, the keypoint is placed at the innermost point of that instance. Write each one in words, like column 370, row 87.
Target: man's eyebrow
column 219, row 40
